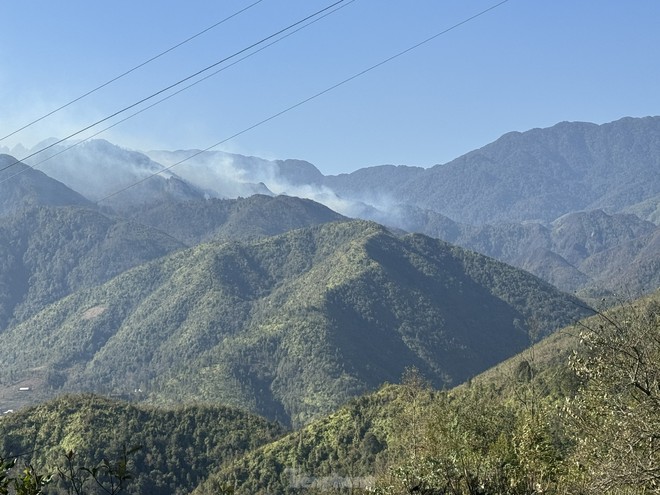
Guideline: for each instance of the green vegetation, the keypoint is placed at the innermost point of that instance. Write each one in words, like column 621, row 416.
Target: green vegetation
column 290, row 326
column 250, row 218
column 555, row 202
column 47, row 253
column 310, row 327
column 178, row 447
column 576, row 413
column 524, row 428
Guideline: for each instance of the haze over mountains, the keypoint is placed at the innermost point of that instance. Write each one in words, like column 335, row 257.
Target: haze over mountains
column 574, row 204
column 568, row 203
column 269, row 287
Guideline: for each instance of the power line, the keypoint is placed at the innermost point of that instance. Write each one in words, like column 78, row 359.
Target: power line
column 133, row 69
column 308, row 99
column 171, row 95
column 171, row 86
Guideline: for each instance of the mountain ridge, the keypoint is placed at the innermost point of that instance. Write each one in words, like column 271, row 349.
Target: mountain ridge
column 288, row 326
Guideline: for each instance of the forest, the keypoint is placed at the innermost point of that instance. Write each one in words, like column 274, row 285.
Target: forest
column 434, row 338
column 541, row 422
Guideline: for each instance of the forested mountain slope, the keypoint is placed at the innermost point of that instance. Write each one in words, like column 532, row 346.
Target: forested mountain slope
column 21, row 187
column 289, row 326
column 546, row 419
column 585, row 250
column 48, row 252
column 179, row 447
column 193, row 222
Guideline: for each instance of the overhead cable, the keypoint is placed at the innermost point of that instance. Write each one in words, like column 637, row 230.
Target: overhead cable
column 308, row 99
column 129, row 71
column 171, row 95
column 178, row 83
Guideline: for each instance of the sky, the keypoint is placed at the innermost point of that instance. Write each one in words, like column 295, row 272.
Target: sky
column 521, row 65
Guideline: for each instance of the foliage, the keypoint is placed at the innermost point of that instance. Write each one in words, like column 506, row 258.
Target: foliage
column 521, row 429
column 616, row 416
column 289, row 326
column 179, row 447
column 47, row 253
column 508, row 432
column 250, row 218
column 17, row 481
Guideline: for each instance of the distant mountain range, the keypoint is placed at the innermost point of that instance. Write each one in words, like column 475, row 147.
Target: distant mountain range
column 538, row 175
column 506, row 200
column 177, row 289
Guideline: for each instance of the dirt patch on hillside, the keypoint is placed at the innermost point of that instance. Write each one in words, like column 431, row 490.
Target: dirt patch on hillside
column 94, row 312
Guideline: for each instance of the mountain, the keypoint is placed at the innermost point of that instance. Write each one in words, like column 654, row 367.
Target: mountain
column 231, row 175
column 374, row 184
column 514, row 200
column 565, row 252
column 580, row 251
column 500, row 200
column 578, row 236
column 289, row 326
column 22, row 187
column 538, row 175
column 179, row 447
column 507, row 429
column 648, row 209
column 97, row 169
column 631, row 269
column 512, row 416
column 193, row 222
column 48, row 252
column 299, row 172
column 220, row 174
column 345, row 449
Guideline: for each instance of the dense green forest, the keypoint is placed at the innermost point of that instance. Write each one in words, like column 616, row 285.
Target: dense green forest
column 193, row 222
column 289, row 326
column 177, row 447
column 576, row 413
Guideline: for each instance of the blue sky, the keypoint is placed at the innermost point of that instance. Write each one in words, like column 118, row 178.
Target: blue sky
column 526, row 64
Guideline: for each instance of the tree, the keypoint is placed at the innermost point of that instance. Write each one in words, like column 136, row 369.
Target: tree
column 615, row 417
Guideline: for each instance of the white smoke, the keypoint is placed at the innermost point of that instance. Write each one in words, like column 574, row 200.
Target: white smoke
column 94, row 168
column 97, row 168
column 229, row 175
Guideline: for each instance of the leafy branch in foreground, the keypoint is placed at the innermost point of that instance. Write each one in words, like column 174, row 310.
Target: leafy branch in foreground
column 27, row 481
column 107, row 477
column 110, row 477
column 616, row 416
